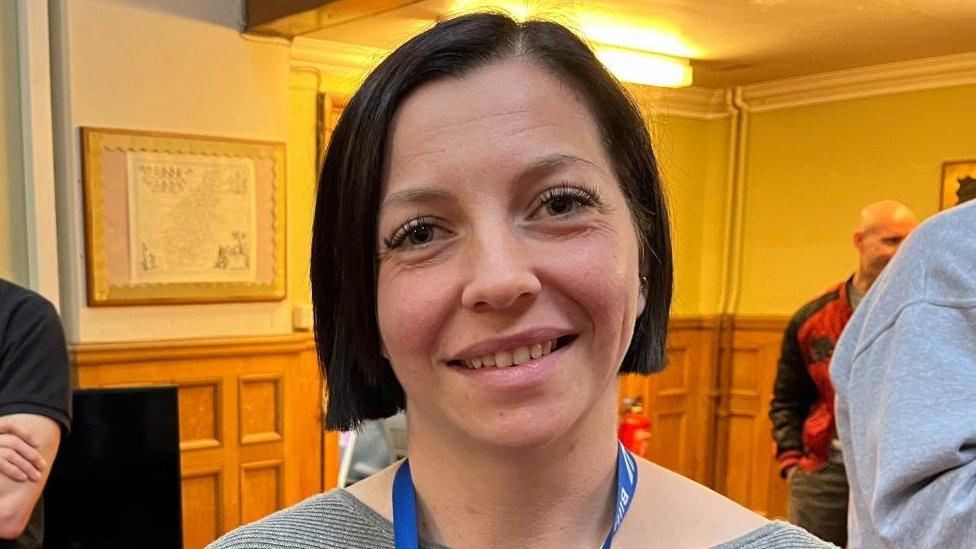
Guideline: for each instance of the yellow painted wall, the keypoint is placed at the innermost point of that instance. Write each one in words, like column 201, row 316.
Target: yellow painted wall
column 13, row 236
column 179, row 67
column 693, row 159
column 302, row 179
column 810, row 170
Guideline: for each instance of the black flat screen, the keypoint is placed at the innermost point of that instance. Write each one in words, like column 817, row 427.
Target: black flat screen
column 116, row 480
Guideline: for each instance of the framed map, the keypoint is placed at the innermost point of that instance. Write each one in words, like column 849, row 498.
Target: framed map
column 182, row 219
column 958, row 183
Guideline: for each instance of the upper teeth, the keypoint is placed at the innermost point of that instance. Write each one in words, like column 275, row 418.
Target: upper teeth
column 513, row 357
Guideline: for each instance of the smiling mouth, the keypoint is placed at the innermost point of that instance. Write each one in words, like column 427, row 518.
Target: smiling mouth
column 514, row 357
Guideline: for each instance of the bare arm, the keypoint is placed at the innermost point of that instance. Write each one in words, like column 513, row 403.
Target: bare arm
column 18, row 497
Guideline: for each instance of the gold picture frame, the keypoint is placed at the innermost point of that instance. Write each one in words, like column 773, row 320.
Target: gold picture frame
column 173, row 218
column 954, row 175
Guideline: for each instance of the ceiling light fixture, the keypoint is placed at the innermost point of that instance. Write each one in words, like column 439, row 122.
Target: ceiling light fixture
column 637, row 64
column 641, row 67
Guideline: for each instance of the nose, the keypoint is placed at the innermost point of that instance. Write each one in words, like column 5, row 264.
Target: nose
column 501, row 273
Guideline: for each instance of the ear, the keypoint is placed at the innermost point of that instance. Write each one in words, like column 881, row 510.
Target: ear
column 858, row 239
column 642, row 295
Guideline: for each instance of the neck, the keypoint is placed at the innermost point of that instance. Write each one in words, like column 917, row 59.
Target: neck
column 558, row 494
column 863, row 281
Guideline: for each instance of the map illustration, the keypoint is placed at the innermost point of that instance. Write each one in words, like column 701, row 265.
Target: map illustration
column 192, row 218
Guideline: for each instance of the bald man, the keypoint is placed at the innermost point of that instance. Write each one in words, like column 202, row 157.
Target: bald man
column 802, row 408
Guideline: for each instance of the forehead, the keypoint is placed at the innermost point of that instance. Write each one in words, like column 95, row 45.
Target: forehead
column 891, row 228
column 894, row 226
column 506, row 113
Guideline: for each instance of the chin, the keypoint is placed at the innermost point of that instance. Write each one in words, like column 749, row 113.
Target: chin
column 526, row 427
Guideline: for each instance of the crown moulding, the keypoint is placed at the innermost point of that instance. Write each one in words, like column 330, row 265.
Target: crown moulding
column 690, row 102
column 889, row 78
column 335, row 58
column 353, row 62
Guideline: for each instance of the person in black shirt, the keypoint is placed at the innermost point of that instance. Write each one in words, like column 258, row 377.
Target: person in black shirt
column 35, row 412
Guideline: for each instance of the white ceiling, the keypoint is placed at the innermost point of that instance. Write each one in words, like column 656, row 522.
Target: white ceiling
column 737, row 42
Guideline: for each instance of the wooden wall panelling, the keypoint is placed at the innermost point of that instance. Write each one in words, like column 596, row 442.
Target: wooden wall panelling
column 202, row 494
column 262, row 491
column 707, row 397
column 720, row 398
column 679, row 401
column 250, row 420
column 749, row 473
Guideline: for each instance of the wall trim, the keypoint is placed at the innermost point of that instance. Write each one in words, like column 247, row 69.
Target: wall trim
column 97, row 354
column 762, row 323
column 336, row 58
column 693, row 322
column 690, row 102
column 889, row 78
column 354, row 62
column 38, row 149
column 87, row 354
column 304, row 78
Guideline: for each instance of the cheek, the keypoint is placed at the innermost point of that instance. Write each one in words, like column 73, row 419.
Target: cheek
column 411, row 308
column 599, row 272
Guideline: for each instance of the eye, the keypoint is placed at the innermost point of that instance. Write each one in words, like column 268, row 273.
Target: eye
column 414, row 233
column 564, row 200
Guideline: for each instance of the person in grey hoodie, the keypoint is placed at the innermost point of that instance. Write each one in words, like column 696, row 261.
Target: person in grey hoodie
column 904, row 372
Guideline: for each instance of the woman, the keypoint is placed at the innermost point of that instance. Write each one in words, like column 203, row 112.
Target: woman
column 490, row 250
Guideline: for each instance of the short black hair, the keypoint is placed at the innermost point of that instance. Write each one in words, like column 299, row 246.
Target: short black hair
column 361, row 384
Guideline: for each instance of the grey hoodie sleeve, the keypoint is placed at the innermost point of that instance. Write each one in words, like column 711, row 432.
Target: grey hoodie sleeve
column 913, row 429
column 905, row 375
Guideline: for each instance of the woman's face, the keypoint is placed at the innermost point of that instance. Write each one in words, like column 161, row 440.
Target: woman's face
column 508, row 280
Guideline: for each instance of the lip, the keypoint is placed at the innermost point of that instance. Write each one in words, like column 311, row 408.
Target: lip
column 509, row 342
column 525, row 376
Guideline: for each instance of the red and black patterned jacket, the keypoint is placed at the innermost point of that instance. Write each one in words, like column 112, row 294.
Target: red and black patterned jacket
column 802, row 409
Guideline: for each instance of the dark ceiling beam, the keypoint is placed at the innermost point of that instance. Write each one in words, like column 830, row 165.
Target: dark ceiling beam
column 291, row 18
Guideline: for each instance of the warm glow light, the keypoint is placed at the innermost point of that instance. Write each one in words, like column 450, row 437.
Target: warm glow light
column 630, row 35
column 519, row 9
column 634, row 52
column 641, row 67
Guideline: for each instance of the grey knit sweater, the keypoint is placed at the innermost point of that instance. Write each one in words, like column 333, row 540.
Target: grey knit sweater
column 337, row 519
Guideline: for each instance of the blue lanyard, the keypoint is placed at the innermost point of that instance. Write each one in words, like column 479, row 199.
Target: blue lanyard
column 405, row 533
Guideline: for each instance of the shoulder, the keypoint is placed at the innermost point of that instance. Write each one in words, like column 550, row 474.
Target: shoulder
column 943, row 250
column 813, row 307
column 777, row 535
column 34, row 365
column 950, row 228
column 28, row 321
column 935, row 262
column 24, row 304
column 679, row 511
column 374, row 491
column 333, row 519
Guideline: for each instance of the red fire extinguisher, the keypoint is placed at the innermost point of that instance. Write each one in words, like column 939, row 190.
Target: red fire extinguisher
column 635, row 427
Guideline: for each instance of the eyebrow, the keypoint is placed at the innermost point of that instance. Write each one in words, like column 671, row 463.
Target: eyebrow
column 542, row 165
column 417, row 195
column 551, row 163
